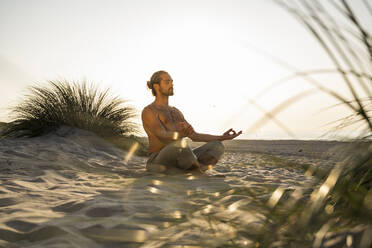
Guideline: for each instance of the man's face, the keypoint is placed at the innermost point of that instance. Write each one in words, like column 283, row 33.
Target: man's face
column 166, row 85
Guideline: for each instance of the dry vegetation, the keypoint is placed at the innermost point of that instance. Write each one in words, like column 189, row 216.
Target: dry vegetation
column 81, row 105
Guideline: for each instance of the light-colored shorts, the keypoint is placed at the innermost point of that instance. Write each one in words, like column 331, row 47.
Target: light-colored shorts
column 179, row 154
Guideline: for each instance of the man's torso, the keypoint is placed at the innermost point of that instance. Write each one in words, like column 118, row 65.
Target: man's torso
column 168, row 117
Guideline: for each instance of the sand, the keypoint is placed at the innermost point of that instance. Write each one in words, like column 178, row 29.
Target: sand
column 72, row 189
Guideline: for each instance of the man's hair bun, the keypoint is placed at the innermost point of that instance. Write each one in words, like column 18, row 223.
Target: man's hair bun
column 149, row 85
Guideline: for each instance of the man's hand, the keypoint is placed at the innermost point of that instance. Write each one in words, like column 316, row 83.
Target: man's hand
column 185, row 129
column 230, row 134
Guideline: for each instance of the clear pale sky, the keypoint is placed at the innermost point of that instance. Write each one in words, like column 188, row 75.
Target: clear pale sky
column 208, row 47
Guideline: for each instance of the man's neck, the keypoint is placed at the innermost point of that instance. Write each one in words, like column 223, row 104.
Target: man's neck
column 161, row 100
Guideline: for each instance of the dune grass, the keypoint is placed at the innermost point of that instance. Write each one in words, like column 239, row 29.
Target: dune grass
column 343, row 197
column 348, row 45
column 338, row 208
column 76, row 104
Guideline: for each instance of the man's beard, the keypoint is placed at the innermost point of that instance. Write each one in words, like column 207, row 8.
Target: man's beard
column 169, row 92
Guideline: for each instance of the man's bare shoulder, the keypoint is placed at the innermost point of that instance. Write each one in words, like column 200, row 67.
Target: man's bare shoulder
column 177, row 110
column 151, row 110
column 148, row 110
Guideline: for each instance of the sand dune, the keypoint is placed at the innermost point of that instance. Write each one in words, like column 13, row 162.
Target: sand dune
column 72, row 189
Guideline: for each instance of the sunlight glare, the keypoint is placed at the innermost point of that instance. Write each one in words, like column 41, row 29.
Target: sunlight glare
column 131, row 152
column 207, row 209
column 183, row 143
column 177, row 214
column 275, row 197
column 175, row 135
column 153, row 190
column 349, row 240
column 157, row 182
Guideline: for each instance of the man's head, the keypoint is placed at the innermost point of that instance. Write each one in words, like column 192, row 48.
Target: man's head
column 161, row 83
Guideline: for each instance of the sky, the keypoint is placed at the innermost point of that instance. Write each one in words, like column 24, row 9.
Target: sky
column 214, row 51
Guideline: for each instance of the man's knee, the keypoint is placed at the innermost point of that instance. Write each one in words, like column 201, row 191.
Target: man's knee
column 176, row 156
column 213, row 154
column 218, row 146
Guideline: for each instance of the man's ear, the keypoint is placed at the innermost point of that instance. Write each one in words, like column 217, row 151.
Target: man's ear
column 156, row 87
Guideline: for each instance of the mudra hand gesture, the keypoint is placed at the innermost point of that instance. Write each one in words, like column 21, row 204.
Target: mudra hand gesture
column 230, row 134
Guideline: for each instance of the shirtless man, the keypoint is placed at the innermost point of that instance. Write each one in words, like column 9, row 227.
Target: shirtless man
column 166, row 128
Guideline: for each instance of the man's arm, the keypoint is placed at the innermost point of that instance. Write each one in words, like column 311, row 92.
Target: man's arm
column 228, row 135
column 201, row 137
column 152, row 123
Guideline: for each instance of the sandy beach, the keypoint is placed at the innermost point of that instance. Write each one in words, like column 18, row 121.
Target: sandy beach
column 70, row 188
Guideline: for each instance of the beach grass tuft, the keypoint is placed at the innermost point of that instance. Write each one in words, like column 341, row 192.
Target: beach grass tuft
column 77, row 104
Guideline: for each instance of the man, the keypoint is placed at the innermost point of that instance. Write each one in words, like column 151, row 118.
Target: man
column 166, row 128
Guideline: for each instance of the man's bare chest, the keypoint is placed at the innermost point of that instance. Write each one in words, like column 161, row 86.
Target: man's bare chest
column 166, row 116
column 169, row 117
